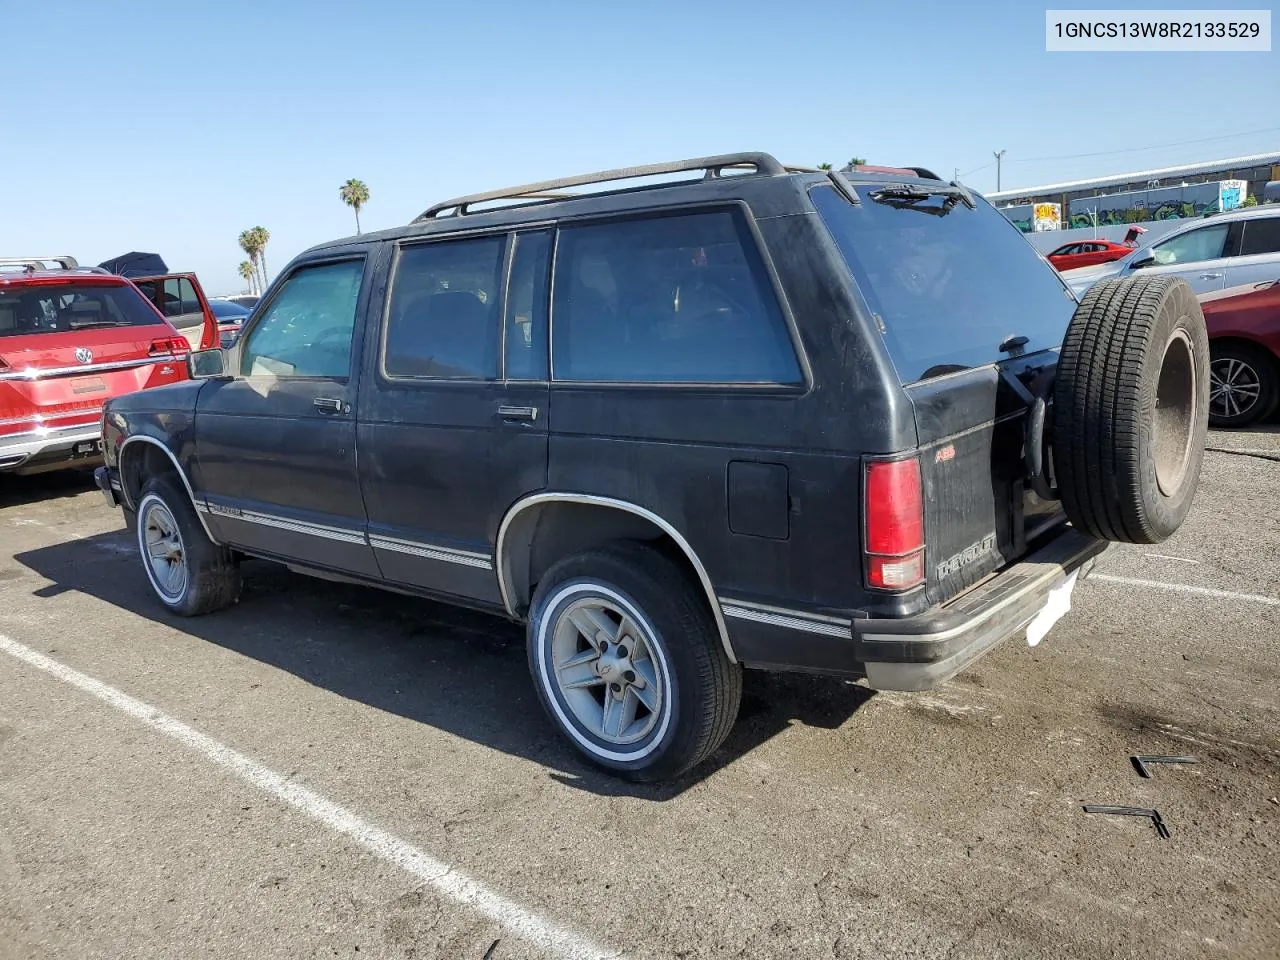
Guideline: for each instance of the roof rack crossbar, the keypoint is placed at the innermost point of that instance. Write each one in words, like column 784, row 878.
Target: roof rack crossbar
column 762, row 163
column 67, row 263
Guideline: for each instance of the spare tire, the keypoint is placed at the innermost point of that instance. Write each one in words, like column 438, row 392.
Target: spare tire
column 1131, row 409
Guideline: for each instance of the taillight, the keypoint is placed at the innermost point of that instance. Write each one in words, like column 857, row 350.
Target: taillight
column 894, row 524
column 167, row 346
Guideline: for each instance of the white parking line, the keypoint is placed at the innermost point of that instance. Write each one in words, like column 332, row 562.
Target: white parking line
column 447, row 881
column 1187, row 588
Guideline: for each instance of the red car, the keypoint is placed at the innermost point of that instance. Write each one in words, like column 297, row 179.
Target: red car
column 1244, row 352
column 70, row 338
column 1087, row 253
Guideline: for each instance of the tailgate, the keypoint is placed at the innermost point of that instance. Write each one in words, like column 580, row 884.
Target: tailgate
column 980, row 512
column 55, row 384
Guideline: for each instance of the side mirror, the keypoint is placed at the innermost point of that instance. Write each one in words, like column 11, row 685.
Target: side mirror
column 1144, row 261
column 206, row 364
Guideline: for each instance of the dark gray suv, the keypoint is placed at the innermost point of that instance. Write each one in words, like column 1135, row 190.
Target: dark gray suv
column 764, row 417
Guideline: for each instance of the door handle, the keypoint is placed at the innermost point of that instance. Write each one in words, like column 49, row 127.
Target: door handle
column 518, row 413
column 329, row 405
column 1210, row 276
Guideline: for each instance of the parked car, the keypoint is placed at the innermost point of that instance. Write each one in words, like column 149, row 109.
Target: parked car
column 230, row 316
column 246, row 300
column 1087, row 253
column 1244, row 352
column 1221, row 250
column 70, row 339
column 179, row 297
column 762, row 417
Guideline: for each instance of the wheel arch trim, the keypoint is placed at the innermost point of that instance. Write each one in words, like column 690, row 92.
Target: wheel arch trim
column 186, row 483
column 501, row 555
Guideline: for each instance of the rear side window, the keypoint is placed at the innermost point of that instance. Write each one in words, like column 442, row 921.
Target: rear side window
column 667, row 299
column 176, row 298
column 1261, row 236
column 442, row 321
column 947, row 286
column 65, row 308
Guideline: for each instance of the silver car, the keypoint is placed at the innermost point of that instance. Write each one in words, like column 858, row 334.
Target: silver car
column 1215, row 252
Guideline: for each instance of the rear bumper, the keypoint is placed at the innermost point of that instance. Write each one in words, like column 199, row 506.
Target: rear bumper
column 47, row 446
column 911, row 653
column 916, row 653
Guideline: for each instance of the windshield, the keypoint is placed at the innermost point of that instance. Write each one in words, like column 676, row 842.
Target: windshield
column 66, row 307
column 947, row 288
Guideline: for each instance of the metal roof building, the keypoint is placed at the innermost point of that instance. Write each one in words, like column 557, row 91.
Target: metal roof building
column 1257, row 168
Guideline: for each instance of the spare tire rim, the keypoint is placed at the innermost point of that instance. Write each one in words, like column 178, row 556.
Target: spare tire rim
column 1234, row 387
column 1175, row 415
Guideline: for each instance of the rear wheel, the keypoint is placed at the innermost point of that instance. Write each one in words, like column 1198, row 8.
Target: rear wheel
column 190, row 574
column 1243, row 386
column 628, row 663
column 1131, row 409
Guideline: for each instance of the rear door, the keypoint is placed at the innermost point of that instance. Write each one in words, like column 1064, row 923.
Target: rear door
column 65, row 347
column 182, row 301
column 970, row 316
column 1259, row 257
column 275, row 442
column 454, row 407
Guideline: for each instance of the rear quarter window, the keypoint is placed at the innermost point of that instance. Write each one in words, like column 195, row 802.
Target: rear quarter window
column 946, row 288
column 675, row 298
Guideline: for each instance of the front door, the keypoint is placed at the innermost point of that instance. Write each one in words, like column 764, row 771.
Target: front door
column 275, row 445
column 453, row 407
column 1198, row 256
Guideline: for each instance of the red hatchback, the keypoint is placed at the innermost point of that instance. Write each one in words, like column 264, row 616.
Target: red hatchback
column 1087, row 253
column 70, row 338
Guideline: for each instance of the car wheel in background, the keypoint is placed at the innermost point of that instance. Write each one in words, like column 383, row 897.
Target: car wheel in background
column 1243, row 386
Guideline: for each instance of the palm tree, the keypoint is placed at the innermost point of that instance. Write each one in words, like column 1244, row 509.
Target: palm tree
column 824, row 166
column 247, row 242
column 355, row 195
column 261, row 236
column 249, row 275
column 857, row 162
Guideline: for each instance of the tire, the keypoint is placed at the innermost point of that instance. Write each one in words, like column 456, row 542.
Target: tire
column 201, row 576
column 1131, row 409
column 1243, row 385
column 681, row 695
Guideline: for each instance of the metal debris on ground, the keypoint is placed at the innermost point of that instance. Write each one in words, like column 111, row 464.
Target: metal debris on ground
column 1152, row 815
column 1141, row 761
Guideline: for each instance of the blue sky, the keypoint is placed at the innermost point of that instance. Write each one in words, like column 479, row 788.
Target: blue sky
column 170, row 127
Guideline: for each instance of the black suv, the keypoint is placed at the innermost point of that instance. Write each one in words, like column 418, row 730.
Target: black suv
column 761, row 416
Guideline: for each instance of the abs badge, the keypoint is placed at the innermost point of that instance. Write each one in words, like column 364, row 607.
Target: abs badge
column 84, row 354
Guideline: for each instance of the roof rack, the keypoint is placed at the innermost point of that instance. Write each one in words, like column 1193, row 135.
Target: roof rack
column 762, row 164
column 39, row 263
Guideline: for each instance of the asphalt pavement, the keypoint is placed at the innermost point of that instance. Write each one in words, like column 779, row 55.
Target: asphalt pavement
column 329, row 771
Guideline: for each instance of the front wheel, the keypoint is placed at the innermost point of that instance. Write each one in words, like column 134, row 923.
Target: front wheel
column 628, row 664
column 1243, row 385
column 190, row 574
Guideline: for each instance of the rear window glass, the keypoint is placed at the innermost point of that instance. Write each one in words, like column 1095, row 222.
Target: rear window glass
column 946, row 288
column 64, row 308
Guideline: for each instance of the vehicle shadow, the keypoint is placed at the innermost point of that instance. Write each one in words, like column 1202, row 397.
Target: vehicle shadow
column 16, row 491
column 456, row 670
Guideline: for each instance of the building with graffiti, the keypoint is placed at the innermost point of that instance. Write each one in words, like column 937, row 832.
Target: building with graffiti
column 1169, row 193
